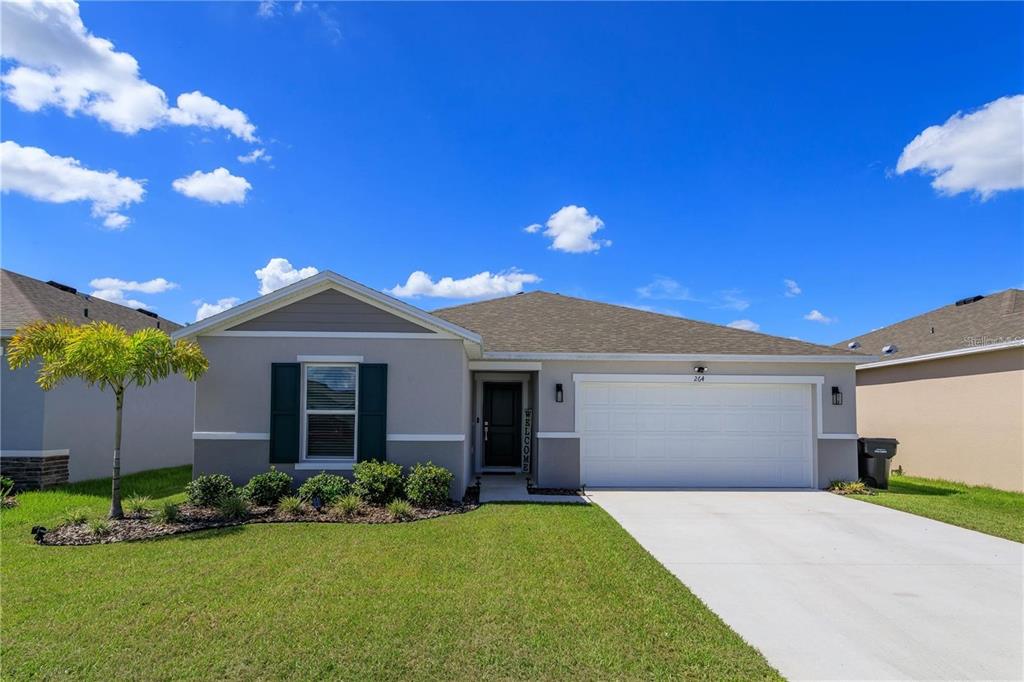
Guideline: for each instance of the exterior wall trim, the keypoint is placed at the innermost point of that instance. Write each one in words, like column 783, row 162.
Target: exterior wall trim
column 334, row 335
column 312, row 465
column 34, row 453
column 703, row 378
column 838, row 436
column 427, row 437
column 329, row 358
column 503, row 366
column 228, row 435
column 557, row 434
column 671, row 357
column 1016, row 343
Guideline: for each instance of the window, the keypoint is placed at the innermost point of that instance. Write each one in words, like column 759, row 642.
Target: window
column 330, row 398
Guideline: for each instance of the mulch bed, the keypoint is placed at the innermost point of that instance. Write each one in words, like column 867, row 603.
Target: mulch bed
column 140, row 527
column 555, row 491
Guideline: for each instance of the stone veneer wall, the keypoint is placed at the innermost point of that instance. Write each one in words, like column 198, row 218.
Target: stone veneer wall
column 35, row 472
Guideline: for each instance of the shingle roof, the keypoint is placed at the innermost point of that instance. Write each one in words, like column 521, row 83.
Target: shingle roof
column 24, row 299
column 542, row 322
column 996, row 318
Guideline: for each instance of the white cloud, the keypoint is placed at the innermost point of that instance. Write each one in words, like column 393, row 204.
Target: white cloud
column 206, row 310
column 278, row 272
column 255, row 155
column 980, row 152
column 665, row 288
column 216, row 187
column 480, row 285
column 533, row 229
column 792, row 288
column 59, row 179
column 267, row 8
column 196, row 109
column 58, row 62
column 746, row 325
column 818, row 316
column 113, row 289
column 571, row 229
column 730, row 299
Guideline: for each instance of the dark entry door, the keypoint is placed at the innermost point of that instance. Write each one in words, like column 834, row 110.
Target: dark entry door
column 502, row 422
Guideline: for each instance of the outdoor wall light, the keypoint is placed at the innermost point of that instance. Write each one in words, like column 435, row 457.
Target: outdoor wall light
column 559, row 395
column 837, row 396
column 700, row 369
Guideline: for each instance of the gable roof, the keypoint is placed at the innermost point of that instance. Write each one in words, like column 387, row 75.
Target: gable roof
column 310, row 286
column 542, row 322
column 24, row 299
column 993, row 320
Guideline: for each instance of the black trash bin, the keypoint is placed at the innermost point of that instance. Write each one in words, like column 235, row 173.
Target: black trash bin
column 874, row 456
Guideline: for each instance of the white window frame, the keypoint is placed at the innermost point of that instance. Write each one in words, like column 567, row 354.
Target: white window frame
column 304, row 427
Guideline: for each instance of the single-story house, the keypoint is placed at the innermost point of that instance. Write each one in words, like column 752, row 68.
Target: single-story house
column 949, row 385
column 326, row 372
column 47, row 437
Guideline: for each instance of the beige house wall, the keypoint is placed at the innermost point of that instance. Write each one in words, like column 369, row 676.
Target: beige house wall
column 959, row 418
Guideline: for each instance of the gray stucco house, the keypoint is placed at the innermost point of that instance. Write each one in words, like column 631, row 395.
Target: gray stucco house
column 68, row 433
column 326, row 372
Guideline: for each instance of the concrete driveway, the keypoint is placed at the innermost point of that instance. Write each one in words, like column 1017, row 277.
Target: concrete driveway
column 832, row 588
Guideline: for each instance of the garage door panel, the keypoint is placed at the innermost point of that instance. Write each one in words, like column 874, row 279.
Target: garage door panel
column 695, row 435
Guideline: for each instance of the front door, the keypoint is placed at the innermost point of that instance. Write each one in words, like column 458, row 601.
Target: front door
column 503, row 403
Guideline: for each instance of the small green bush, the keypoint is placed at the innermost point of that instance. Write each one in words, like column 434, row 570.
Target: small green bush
column 74, row 517
column 290, row 506
column 849, row 488
column 168, row 512
column 328, row 487
column 232, row 507
column 378, row 482
column 267, row 488
column 99, row 527
column 6, row 486
column 347, row 506
column 138, row 505
column 209, row 490
column 427, row 485
column 400, row 510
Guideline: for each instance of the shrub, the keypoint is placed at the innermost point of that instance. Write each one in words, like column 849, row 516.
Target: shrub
column 400, row 510
column 138, row 505
column 849, row 488
column 232, row 507
column 267, row 488
column 209, row 490
column 347, row 505
column 99, row 527
column 6, row 486
column 378, row 482
column 168, row 512
column 427, row 485
column 328, row 487
column 290, row 506
column 74, row 517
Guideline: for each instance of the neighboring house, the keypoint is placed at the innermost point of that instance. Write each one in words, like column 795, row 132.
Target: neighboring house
column 39, row 428
column 949, row 385
column 326, row 371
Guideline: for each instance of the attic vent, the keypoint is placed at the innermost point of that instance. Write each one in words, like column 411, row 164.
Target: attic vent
column 62, row 287
column 149, row 313
column 853, row 345
column 969, row 300
column 890, row 349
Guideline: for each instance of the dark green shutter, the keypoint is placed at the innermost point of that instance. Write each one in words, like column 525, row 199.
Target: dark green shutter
column 285, row 385
column 373, row 412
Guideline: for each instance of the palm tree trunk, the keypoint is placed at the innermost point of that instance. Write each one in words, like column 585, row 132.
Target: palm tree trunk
column 115, row 480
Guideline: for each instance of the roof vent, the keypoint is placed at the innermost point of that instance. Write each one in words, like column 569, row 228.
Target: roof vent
column 853, row 345
column 890, row 349
column 148, row 312
column 969, row 300
column 62, row 287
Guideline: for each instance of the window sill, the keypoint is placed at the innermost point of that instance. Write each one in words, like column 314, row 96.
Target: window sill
column 328, row 465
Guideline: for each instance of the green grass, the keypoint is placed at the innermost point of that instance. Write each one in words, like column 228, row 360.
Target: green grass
column 503, row 592
column 996, row 512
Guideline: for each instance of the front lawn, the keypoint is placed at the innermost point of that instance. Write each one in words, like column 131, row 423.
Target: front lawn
column 506, row 592
column 996, row 512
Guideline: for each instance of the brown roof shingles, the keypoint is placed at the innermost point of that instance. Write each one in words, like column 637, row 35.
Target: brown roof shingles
column 997, row 318
column 542, row 322
column 24, row 299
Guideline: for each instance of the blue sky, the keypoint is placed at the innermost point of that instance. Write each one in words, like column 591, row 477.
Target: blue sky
column 722, row 148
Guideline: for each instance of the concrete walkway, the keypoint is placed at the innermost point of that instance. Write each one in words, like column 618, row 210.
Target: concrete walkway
column 833, row 588
column 512, row 488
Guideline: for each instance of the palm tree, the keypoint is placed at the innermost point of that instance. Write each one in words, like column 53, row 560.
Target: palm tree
column 105, row 355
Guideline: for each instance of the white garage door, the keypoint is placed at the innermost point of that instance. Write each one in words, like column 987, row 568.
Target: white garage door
column 695, row 434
